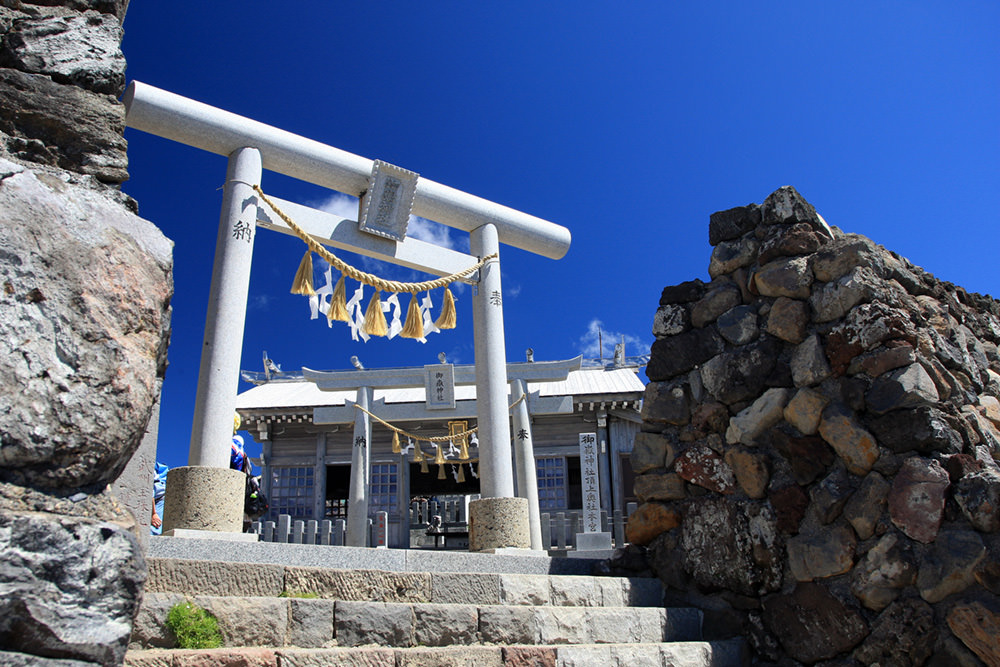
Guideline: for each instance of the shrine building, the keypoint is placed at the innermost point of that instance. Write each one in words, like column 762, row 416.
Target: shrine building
column 307, row 435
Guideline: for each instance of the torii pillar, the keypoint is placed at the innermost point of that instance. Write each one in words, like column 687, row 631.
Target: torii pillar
column 499, row 520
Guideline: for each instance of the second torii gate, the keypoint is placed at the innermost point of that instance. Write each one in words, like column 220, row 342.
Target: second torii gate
column 364, row 381
column 252, row 146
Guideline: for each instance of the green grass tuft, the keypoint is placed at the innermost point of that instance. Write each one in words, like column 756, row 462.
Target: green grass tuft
column 193, row 626
column 307, row 596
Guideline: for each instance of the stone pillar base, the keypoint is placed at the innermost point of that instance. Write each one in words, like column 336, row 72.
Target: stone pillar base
column 497, row 523
column 204, row 498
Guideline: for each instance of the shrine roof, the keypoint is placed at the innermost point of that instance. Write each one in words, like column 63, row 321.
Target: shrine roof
column 296, row 392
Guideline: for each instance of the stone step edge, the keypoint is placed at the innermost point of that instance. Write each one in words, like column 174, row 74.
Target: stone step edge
column 279, row 622
column 196, row 577
column 719, row 653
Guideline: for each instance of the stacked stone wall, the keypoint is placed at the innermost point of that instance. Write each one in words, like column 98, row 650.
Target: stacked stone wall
column 817, row 462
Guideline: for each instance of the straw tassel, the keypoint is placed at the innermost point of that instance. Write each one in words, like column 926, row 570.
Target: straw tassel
column 439, row 458
column 463, row 449
column 375, row 324
column 461, row 474
column 423, row 465
column 414, row 326
column 338, row 303
column 441, row 474
column 303, row 283
column 396, row 449
column 448, row 317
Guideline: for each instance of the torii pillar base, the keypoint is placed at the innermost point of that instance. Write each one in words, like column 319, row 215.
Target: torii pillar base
column 498, row 523
column 204, row 498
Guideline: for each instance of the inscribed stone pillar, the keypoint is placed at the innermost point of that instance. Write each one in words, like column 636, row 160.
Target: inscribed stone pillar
column 357, row 507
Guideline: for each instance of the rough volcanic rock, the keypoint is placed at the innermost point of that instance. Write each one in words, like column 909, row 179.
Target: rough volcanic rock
column 805, row 410
column 732, row 223
column 718, row 300
column 659, row 486
column 85, row 315
column 865, row 508
column 908, row 387
column 649, row 521
column 63, row 126
column 670, row 320
column 830, row 495
column 812, row 624
column 821, row 553
column 115, row 7
column 733, row 546
column 731, row 255
column 71, row 576
column 838, row 257
column 789, row 277
column 79, row 49
column 808, row 457
column 786, row 206
column 978, row 628
column 886, row 569
column 758, row 417
column 666, row 403
column 789, row 504
column 978, row 494
column 740, row 374
column 916, row 501
column 902, row 635
column 834, row 300
column 787, row 319
column 677, row 354
column 809, row 365
column 925, row 429
column 686, row 292
column 852, row 443
column 854, row 398
column 949, row 566
column 702, row 466
column 651, row 451
column 738, row 325
column 751, row 470
column 787, row 241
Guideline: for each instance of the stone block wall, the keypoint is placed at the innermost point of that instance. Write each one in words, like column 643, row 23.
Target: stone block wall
column 85, row 289
column 818, row 458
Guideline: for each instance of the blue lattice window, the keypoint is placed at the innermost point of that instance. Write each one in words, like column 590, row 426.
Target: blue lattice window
column 551, row 472
column 292, row 492
column 383, row 489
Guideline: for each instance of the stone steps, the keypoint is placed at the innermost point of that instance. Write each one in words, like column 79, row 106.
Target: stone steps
column 314, row 623
column 203, row 577
column 679, row 654
column 290, row 615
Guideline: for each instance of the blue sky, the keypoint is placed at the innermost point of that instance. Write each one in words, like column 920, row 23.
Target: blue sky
column 628, row 123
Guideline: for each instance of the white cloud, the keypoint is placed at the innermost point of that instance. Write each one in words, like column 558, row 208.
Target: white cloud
column 260, row 302
column 599, row 339
column 340, row 204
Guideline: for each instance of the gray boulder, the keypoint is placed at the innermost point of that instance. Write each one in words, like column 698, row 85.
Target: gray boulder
column 84, row 317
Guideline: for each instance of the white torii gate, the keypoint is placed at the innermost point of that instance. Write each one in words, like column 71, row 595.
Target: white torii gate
column 252, row 146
